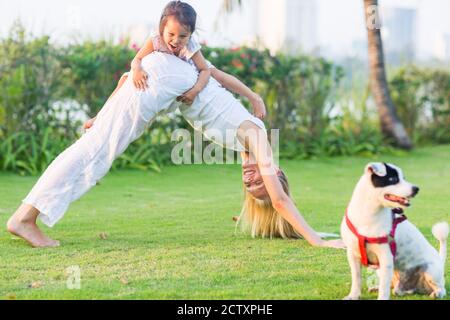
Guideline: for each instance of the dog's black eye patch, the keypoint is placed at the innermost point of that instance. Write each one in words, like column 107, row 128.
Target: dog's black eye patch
column 389, row 179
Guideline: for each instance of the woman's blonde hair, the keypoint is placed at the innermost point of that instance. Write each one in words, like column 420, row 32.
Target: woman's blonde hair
column 260, row 218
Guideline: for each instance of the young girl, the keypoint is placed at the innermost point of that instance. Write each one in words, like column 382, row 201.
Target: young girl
column 177, row 24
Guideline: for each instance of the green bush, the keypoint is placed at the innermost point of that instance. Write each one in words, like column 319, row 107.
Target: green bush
column 300, row 93
column 304, row 96
column 30, row 81
column 91, row 71
column 26, row 153
column 422, row 98
column 35, row 76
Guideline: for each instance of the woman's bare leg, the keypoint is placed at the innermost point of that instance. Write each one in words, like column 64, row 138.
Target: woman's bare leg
column 23, row 224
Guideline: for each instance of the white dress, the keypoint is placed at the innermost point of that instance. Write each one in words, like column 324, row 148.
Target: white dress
column 122, row 120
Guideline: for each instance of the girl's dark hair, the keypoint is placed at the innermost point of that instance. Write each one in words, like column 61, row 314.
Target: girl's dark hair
column 182, row 11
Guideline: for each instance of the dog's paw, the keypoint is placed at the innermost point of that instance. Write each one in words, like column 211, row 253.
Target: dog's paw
column 349, row 297
column 372, row 289
column 438, row 294
column 399, row 292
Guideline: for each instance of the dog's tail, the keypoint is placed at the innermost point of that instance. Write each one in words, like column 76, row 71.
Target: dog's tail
column 440, row 232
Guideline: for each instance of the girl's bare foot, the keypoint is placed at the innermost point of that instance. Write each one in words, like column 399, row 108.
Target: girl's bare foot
column 23, row 224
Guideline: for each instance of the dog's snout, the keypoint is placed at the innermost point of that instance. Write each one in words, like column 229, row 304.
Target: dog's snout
column 415, row 191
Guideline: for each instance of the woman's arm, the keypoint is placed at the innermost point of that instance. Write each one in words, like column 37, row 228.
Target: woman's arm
column 203, row 78
column 233, row 84
column 255, row 139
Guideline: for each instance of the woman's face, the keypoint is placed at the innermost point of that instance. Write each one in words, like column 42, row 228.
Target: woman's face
column 252, row 178
column 175, row 35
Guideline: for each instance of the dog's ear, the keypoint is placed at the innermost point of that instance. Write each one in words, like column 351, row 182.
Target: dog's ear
column 377, row 168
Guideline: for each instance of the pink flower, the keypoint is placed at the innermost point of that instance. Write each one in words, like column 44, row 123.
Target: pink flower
column 237, row 64
column 135, row 47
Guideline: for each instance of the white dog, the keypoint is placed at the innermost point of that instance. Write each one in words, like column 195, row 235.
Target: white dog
column 377, row 234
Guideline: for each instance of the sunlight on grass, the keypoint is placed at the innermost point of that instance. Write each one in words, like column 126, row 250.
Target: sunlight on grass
column 142, row 235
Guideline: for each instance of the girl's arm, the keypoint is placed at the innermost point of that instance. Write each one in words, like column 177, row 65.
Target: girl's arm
column 139, row 75
column 255, row 139
column 233, row 84
column 203, row 78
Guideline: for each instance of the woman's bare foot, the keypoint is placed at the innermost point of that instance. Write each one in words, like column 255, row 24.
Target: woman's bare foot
column 23, row 224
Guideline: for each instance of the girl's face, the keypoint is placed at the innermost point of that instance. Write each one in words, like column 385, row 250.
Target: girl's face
column 175, row 35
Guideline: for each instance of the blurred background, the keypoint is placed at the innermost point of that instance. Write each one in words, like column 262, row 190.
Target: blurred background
column 413, row 29
column 308, row 59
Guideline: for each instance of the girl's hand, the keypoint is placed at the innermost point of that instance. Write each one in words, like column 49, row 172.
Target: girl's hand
column 259, row 108
column 336, row 244
column 140, row 79
column 89, row 123
column 188, row 97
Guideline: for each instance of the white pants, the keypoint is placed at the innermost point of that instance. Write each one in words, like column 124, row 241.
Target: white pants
column 120, row 122
column 81, row 165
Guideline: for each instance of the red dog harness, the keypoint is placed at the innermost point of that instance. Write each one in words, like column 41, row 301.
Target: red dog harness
column 390, row 238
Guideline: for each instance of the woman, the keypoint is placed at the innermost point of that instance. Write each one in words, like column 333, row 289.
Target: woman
column 123, row 119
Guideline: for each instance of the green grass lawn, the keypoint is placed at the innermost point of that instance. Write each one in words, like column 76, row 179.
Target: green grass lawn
column 170, row 235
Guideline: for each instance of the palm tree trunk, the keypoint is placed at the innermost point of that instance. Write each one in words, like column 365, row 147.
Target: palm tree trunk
column 391, row 125
column 229, row 5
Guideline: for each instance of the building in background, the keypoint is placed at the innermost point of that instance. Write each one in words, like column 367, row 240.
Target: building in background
column 441, row 49
column 287, row 25
column 399, row 34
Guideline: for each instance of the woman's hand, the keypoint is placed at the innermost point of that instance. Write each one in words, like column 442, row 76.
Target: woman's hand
column 259, row 108
column 336, row 244
column 188, row 97
column 89, row 123
column 140, row 79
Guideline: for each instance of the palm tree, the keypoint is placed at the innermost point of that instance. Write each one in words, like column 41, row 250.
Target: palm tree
column 391, row 125
column 229, row 5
